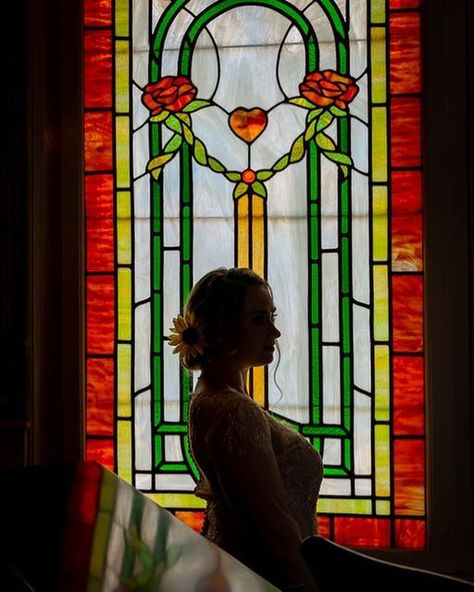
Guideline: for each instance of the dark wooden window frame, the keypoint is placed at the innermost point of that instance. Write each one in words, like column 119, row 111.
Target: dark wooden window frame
column 56, row 260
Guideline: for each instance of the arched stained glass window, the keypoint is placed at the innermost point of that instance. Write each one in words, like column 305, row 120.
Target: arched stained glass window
column 284, row 136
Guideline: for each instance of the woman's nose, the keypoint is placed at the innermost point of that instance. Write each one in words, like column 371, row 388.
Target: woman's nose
column 275, row 332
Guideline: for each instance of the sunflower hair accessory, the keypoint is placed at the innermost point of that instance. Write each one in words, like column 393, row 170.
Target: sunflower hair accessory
column 186, row 338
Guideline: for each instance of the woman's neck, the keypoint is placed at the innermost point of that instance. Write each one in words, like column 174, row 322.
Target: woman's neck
column 214, row 378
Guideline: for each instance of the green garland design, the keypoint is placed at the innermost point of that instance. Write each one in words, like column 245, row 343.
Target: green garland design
column 317, row 120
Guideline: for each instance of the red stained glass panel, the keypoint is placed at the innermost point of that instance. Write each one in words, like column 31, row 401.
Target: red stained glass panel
column 100, row 396
column 407, row 247
column 406, row 192
column 407, row 313
column 410, row 534
column 194, row 520
column 97, row 69
column 362, row 532
column 97, row 13
column 98, row 141
column 323, row 526
column 99, row 222
column 405, row 132
column 100, row 314
column 408, row 386
column 102, row 451
column 404, row 4
column 405, row 75
column 409, row 469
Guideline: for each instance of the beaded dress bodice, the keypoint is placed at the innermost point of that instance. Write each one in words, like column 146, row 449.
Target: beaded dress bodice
column 253, row 469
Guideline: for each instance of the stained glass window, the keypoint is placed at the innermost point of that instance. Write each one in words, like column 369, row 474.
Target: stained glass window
column 283, row 136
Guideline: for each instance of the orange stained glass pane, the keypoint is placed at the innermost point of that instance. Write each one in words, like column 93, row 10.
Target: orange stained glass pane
column 362, row 532
column 410, row 533
column 407, row 312
column 323, row 526
column 258, row 235
column 102, row 451
column 408, row 386
column 405, row 75
column 194, row 519
column 97, row 13
column 100, row 314
column 405, row 131
column 97, row 69
column 98, row 141
column 409, row 477
column 406, row 192
column 99, row 222
column 407, row 248
column 100, row 396
column 404, row 3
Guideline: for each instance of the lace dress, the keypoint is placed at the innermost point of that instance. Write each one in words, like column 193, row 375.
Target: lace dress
column 257, row 475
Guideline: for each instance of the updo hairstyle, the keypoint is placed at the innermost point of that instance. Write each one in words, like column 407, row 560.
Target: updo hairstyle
column 215, row 305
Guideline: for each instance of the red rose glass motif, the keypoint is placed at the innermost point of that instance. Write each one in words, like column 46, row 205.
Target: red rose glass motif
column 328, row 88
column 171, row 93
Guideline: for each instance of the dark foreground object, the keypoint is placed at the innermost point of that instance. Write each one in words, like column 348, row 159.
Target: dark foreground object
column 80, row 528
column 339, row 569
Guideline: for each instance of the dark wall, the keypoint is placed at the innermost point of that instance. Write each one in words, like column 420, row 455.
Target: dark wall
column 14, row 407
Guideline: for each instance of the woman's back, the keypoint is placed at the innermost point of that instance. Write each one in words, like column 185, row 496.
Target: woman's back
column 255, row 472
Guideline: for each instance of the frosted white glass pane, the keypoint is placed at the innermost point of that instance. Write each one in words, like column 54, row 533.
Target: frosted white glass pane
column 248, row 78
column 331, row 385
column 329, row 205
column 336, row 487
column 287, row 199
column 359, row 106
column 140, row 112
column 173, row 449
column 360, row 239
column 141, row 197
column 330, row 300
column 171, row 203
column 358, row 60
column 141, row 153
column 362, row 434
column 142, row 259
column 363, row 487
column 253, row 26
column 332, row 451
column 359, row 144
column 143, row 481
column 285, row 124
column 291, row 64
column 211, row 127
column 169, row 62
column 358, row 20
column 142, row 431
column 362, row 358
column 140, row 16
column 171, row 308
column 287, row 274
column 174, row 482
column 142, row 346
column 205, row 66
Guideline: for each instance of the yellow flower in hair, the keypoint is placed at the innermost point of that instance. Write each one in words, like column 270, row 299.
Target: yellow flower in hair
column 185, row 337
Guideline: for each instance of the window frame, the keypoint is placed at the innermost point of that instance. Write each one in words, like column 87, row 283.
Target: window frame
column 56, row 261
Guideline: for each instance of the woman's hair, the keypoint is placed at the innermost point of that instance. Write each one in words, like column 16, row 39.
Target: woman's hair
column 215, row 305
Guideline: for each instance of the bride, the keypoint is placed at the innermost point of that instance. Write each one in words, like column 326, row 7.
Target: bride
column 260, row 478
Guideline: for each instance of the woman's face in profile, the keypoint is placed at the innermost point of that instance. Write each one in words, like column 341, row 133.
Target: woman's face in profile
column 257, row 332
